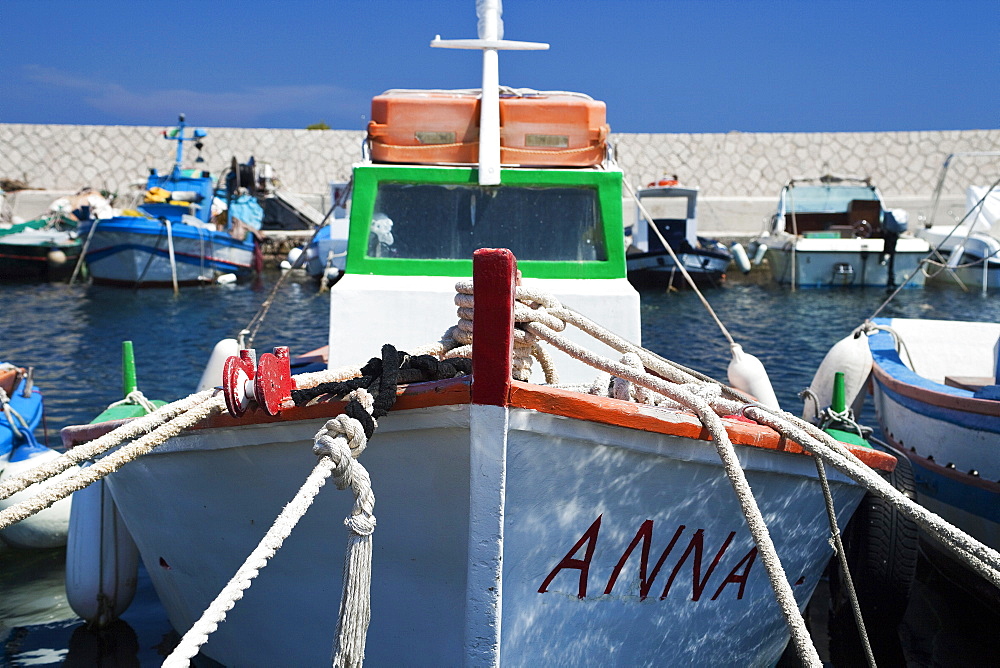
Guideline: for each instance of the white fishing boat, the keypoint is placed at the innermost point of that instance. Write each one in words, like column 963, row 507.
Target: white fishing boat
column 522, row 518
column 674, row 212
column 837, row 231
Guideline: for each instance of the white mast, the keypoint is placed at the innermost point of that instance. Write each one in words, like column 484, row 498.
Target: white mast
column 490, row 41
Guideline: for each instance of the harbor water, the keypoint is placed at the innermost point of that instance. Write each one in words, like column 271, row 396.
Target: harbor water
column 72, row 337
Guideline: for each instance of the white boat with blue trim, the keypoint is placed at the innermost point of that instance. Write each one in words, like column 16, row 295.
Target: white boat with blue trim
column 938, row 402
column 173, row 237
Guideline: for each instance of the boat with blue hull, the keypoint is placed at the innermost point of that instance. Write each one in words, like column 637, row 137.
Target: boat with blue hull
column 938, row 402
column 172, row 237
column 21, row 412
column 20, row 408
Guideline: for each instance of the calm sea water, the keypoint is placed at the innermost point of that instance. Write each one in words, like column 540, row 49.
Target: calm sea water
column 72, row 336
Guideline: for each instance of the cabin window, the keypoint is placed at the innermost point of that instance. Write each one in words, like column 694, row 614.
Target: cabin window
column 433, row 221
column 826, row 199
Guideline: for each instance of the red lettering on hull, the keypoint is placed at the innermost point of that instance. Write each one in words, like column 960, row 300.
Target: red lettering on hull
column 738, row 575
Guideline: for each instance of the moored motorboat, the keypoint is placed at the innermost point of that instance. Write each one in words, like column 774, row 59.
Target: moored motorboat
column 836, row 231
column 173, row 237
column 673, row 210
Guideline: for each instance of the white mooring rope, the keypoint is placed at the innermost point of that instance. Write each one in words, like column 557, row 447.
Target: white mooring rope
column 338, row 444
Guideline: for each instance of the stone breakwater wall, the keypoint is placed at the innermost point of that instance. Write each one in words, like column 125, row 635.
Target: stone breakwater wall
column 739, row 174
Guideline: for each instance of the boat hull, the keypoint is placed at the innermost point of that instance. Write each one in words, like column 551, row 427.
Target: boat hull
column 38, row 256
column 946, row 433
column 131, row 251
column 575, row 495
column 824, row 263
column 659, row 268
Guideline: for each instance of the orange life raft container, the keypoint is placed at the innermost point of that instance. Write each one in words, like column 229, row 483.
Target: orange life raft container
column 442, row 127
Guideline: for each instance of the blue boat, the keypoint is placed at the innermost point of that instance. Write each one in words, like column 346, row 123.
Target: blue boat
column 20, row 409
column 20, row 415
column 938, row 403
column 172, row 238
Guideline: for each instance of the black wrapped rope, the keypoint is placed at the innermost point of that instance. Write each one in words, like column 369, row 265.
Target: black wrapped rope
column 380, row 377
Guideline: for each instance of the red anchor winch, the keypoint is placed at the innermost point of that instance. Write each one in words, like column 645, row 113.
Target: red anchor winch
column 267, row 382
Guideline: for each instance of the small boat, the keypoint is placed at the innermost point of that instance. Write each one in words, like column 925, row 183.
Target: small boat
column 22, row 410
column 966, row 252
column 936, row 398
column 326, row 253
column 836, row 231
column 673, row 210
column 512, row 503
column 46, row 249
column 938, row 403
column 186, row 230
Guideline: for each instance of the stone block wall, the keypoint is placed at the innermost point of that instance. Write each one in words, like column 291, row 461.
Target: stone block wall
column 739, row 174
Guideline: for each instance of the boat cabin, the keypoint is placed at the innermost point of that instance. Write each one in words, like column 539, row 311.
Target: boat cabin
column 673, row 210
column 415, row 225
column 826, row 209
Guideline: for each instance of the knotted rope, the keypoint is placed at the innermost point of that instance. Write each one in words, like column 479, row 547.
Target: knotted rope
column 337, row 444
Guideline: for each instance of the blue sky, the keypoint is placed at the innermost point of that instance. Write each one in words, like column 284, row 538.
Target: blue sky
column 661, row 66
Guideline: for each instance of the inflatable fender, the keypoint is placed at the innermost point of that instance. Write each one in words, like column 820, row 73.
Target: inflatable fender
column 212, row 376
column 853, row 357
column 747, row 373
column 102, row 560
column 740, row 257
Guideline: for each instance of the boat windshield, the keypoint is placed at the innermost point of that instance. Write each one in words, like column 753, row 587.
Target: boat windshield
column 448, row 221
column 825, row 199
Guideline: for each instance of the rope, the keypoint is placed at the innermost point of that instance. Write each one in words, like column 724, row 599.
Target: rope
column 81, row 453
column 135, row 398
column 110, row 463
column 838, row 545
column 338, row 444
column 198, row 634
column 679, row 264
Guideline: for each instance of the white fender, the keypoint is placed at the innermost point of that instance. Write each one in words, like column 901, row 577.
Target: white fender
column 212, row 376
column 748, row 374
column 758, row 255
column 102, row 560
column 293, row 256
column 853, row 357
column 740, row 257
column 46, row 528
